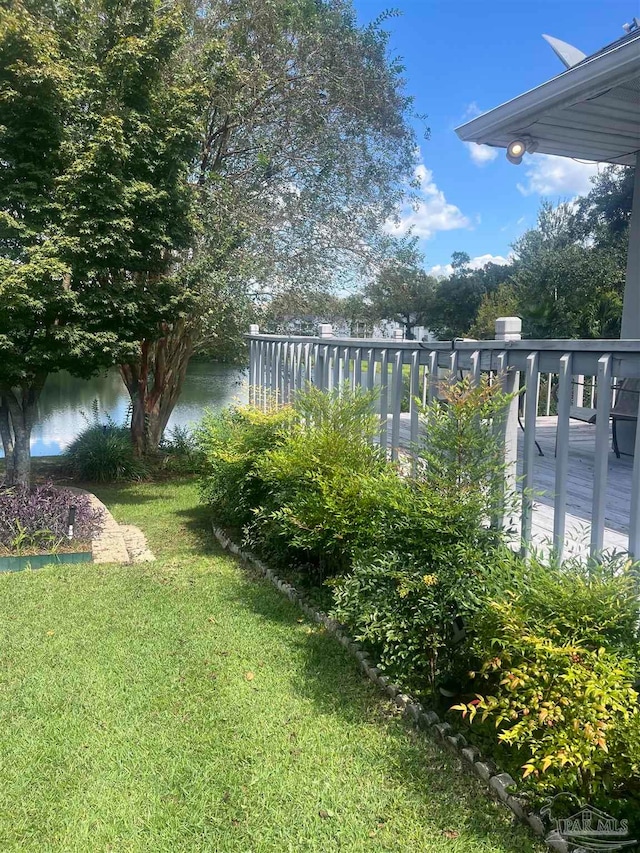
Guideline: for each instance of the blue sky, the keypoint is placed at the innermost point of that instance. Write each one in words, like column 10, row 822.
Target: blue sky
column 463, row 57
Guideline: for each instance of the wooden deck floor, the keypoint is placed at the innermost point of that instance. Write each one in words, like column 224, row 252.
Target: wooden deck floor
column 579, row 492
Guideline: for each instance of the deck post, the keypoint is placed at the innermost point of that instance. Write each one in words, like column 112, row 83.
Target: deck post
column 631, row 303
column 509, row 329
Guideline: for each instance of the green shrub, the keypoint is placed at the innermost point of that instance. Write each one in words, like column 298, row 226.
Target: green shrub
column 230, row 444
column 434, row 556
column 557, row 658
column 411, row 609
column 320, row 481
column 461, row 456
column 594, row 604
column 556, row 703
column 104, row 453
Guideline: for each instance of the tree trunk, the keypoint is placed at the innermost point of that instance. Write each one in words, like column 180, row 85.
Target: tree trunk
column 8, row 441
column 155, row 382
column 22, row 409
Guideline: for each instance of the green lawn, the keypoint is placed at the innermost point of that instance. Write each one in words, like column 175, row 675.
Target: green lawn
column 184, row 706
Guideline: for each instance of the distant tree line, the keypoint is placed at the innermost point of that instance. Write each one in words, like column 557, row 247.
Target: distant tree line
column 565, row 278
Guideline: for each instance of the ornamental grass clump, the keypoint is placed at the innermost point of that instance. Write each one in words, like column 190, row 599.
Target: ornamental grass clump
column 36, row 520
column 104, row 453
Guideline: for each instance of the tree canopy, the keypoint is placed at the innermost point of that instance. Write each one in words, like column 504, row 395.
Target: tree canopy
column 565, row 277
column 164, row 163
column 98, row 135
column 402, row 293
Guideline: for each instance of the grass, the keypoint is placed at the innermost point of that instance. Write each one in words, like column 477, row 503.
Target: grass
column 184, row 706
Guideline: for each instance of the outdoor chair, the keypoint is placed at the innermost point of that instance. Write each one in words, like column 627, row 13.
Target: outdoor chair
column 624, row 409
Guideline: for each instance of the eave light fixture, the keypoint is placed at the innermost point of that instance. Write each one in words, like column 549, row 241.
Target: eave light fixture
column 517, row 148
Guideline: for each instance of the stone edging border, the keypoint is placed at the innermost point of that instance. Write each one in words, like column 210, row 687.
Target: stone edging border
column 497, row 782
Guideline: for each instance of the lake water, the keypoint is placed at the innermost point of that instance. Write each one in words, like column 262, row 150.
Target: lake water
column 64, row 399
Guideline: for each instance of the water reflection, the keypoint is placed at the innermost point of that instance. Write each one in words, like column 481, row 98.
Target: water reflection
column 64, row 399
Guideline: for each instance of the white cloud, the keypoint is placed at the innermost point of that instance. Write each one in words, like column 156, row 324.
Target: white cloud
column 481, row 154
column 445, row 270
column 431, row 212
column 471, row 111
column 550, row 175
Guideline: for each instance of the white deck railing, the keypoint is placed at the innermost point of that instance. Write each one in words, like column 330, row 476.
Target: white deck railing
column 563, row 378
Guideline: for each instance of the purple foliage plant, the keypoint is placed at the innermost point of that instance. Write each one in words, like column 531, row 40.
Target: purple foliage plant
column 38, row 517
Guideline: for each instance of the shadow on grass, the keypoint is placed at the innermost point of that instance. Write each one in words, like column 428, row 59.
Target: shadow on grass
column 197, row 519
column 330, row 678
column 44, row 468
column 127, row 494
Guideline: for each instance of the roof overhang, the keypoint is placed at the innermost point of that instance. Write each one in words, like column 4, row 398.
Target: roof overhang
column 591, row 111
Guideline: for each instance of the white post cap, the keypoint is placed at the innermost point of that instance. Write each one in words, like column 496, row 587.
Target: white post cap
column 325, row 330
column 397, row 334
column 508, row 329
column 254, row 329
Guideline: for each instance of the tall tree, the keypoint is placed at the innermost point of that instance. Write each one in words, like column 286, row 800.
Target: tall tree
column 152, row 152
column 402, row 293
column 98, row 137
column 567, row 276
column 305, row 150
column 458, row 297
column 567, row 286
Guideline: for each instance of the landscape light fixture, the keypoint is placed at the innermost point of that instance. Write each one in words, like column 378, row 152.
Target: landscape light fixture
column 71, row 520
column 517, row 148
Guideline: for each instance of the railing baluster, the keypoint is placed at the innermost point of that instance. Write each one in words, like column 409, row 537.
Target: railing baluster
column 324, row 368
column 562, row 453
column 291, row 374
column 414, row 391
column 634, row 509
column 350, row 370
column 396, row 393
column 252, row 368
column 475, row 373
column 275, row 371
column 315, row 377
column 284, row 374
column 298, row 367
column 357, row 367
column 336, row 369
column 371, row 369
column 529, row 449
column 384, row 397
column 306, row 371
column 601, row 458
column 264, row 373
column 453, row 367
column 433, row 376
column 509, row 380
